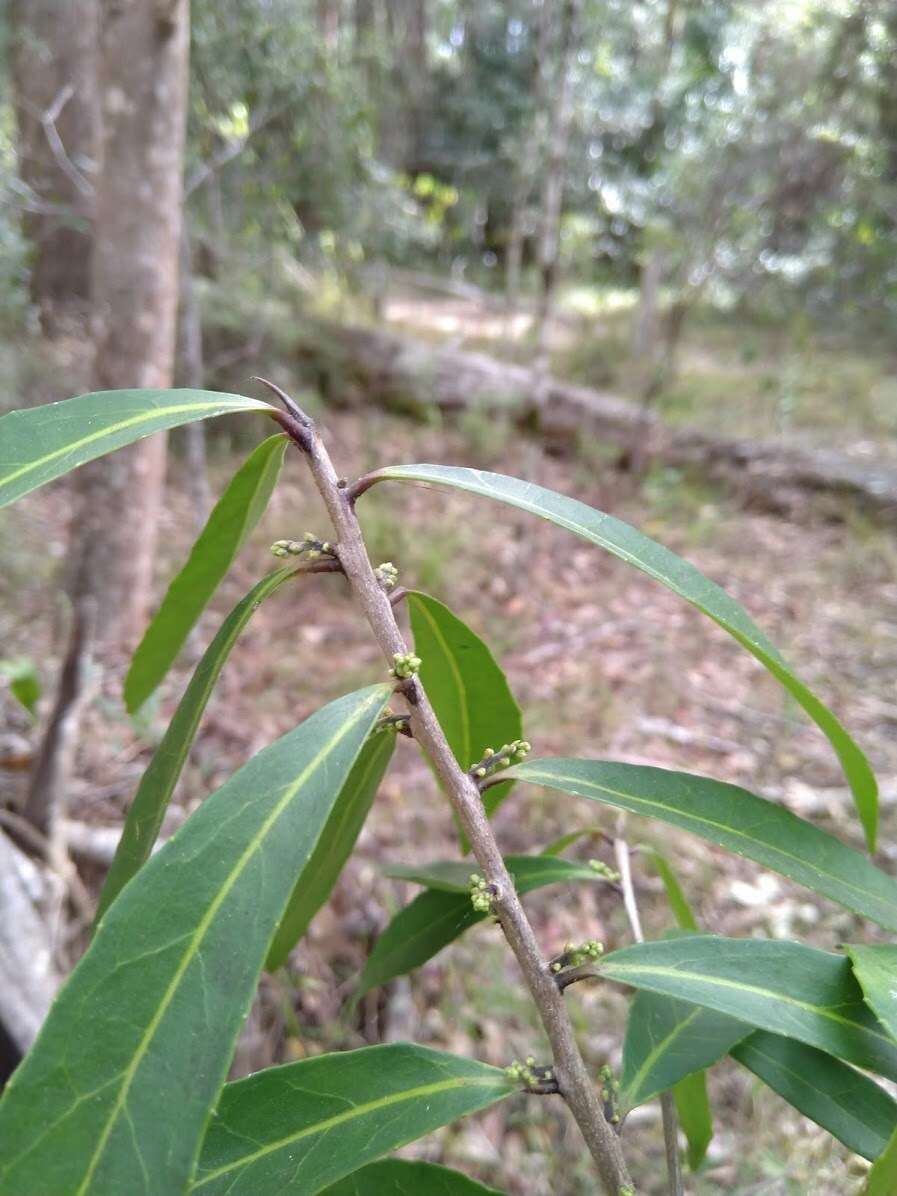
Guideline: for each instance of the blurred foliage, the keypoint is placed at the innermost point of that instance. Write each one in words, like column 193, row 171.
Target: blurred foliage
column 751, row 144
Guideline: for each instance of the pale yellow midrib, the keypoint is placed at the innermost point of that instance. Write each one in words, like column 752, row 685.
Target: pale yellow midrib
column 142, row 417
column 550, row 780
column 459, row 685
column 678, row 1029
column 740, row 986
column 196, row 940
column 382, row 1102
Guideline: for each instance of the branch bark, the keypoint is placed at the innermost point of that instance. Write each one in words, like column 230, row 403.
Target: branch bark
column 574, row 1082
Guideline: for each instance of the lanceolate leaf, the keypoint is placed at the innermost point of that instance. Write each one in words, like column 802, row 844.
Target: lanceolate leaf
column 843, row 1101
column 158, row 782
column 689, row 1093
column 466, row 688
column 876, row 970
column 232, row 519
column 732, row 818
column 115, row 1094
column 43, row 443
column 783, row 987
column 677, row 575
column 695, row 1117
column 440, row 915
column 882, row 1179
column 395, row 1177
column 678, row 902
column 295, row 1129
column 667, row 1039
column 334, row 846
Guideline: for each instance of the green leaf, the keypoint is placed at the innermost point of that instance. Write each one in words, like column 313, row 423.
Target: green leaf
column 157, row 784
column 395, row 1177
column 882, row 1180
column 843, row 1101
column 559, row 846
column 466, row 687
column 43, row 443
column 678, row 902
column 115, row 1093
column 783, row 987
column 297, row 1128
column 232, row 519
column 677, row 575
column 876, row 970
column 334, row 846
column 24, row 682
column 440, row 915
column 668, row 1039
column 690, row 1092
column 733, row 818
column 695, row 1117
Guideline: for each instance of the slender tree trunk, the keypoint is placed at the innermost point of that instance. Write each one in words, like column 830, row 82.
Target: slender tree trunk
column 53, row 69
column 142, row 85
column 190, row 372
column 553, row 186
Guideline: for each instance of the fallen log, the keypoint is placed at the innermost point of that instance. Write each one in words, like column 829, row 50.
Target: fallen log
column 354, row 366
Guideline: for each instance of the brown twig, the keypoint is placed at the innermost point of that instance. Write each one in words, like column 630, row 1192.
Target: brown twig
column 667, row 1102
column 574, row 1082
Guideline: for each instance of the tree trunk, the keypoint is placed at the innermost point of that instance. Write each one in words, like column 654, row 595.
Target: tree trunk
column 142, row 85
column 190, row 372
column 553, row 185
column 53, row 68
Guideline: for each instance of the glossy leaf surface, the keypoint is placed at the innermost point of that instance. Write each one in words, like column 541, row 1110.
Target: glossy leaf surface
column 41, row 443
column 335, row 845
column 784, row 987
column 732, row 818
column 293, row 1130
column 232, row 519
column 157, row 784
column 146, row 1024
column 465, row 685
column 637, row 549
column 668, row 1039
column 876, row 970
column 843, row 1101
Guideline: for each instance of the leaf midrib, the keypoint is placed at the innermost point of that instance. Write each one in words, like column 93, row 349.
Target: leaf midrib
column 550, row 780
column 741, row 986
column 458, row 679
column 580, row 529
column 200, row 932
column 111, row 429
column 632, row 1089
column 380, row 1102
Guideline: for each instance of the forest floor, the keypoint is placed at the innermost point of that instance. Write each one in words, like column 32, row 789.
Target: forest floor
column 604, row 663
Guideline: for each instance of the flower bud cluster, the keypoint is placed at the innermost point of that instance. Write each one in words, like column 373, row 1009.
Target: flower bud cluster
column 387, row 575
column 529, row 1074
column 573, row 955
column 610, row 1094
column 398, row 723
column 309, row 547
column 404, row 665
column 480, row 894
column 507, row 754
column 604, row 870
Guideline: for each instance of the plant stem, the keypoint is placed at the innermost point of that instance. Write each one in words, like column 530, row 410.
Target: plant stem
column 667, row 1101
column 574, row 1082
